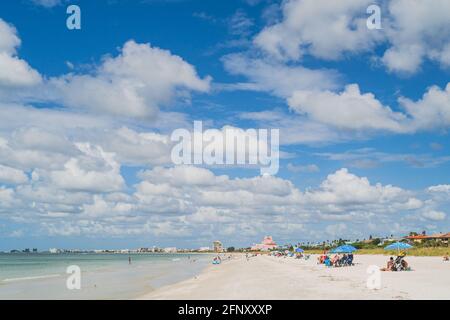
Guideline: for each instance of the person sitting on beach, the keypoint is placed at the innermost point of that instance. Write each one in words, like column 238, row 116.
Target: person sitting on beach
column 321, row 259
column 446, row 258
column 217, row 260
column 335, row 260
column 389, row 266
column 350, row 259
column 404, row 264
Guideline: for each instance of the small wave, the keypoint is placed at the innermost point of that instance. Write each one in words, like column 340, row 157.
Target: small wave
column 176, row 259
column 47, row 276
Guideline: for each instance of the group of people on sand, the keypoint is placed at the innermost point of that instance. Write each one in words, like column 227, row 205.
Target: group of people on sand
column 302, row 256
column 399, row 264
column 278, row 254
column 297, row 255
column 248, row 256
column 217, row 260
column 336, row 261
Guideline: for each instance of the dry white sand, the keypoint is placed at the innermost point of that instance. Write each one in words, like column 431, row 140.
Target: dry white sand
column 266, row 277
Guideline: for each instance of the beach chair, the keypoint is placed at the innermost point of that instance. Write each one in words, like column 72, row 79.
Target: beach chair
column 350, row 260
column 347, row 260
column 339, row 262
column 398, row 265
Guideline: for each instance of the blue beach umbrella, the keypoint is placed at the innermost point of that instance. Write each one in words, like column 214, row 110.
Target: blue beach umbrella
column 398, row 246
column 335, row 250
column 299, row 250
column 344, row 249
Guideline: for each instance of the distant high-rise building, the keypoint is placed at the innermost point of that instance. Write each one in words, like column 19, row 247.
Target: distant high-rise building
column 217, row 245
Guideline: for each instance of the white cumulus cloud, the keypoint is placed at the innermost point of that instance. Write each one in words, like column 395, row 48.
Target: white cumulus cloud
column 434, row 215
column 319, row 27
column 135, row 83
column 14, row 72
column 417, row 30
column 348, row 110
column 97, row 171
column 12, row 176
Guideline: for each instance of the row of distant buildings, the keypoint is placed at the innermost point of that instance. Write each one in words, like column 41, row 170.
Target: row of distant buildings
column 438, row 237
column 267, row 244
column 27, row 250
column 216, row 247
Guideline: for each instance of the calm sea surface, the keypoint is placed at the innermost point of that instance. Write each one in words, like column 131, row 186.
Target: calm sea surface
column 103, row 276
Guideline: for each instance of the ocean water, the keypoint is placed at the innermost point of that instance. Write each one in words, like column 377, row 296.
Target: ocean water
column 103, row 276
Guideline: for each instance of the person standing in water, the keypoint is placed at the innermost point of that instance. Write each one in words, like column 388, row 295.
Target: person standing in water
column 129, row 259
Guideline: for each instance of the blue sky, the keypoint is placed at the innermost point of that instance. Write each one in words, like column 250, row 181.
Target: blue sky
column 86, row 114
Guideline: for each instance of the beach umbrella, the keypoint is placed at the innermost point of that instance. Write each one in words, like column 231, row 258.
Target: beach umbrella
column 348, row 248
column 398, row 246
column 336, row 250
column 344, row 249
column 299, row 250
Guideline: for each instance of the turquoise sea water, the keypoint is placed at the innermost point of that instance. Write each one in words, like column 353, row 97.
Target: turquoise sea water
column 103, row 276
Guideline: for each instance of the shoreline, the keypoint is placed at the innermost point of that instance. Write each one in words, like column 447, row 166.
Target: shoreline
column 267, row 277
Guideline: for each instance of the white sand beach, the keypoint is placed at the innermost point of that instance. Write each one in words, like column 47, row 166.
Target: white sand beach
column 267, row 277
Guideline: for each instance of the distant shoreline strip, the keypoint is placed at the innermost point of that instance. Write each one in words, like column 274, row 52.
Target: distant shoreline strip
column 32, row 278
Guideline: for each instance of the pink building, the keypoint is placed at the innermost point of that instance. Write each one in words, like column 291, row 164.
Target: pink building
column 267, row 244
